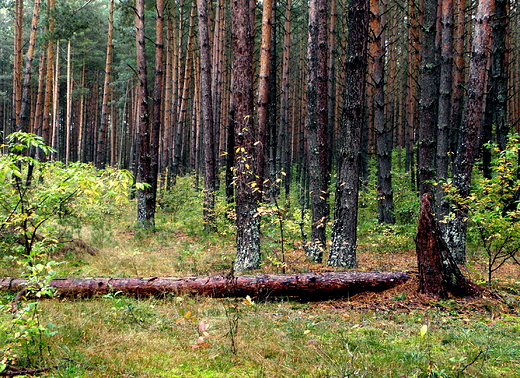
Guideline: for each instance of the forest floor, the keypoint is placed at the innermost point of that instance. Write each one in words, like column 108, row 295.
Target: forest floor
column 393, row 333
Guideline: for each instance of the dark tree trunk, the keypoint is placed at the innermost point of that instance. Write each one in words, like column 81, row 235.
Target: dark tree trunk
column 382, row 125
column 316, row 127
column 438, row 273
column 471, row 126
column 428, row 98
column 145, row 209
column 310, row 286
column 101, row 157
column 444, row 114
column 247, row 222
column 157, row 102
column 23, row 122
column 344, row 233
column 263, row 104
column 496, row 103
column 207, row 117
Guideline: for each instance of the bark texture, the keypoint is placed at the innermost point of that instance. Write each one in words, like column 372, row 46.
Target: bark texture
column 305, row 285
column 145, row 208
column 207, row 117
column 428, row 98
column 344, row 229
column 471, row 127
column 247, row 222
column 439, row 275
column 316, row 126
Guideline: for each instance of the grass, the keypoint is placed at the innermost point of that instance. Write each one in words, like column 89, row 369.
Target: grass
column 396, row 333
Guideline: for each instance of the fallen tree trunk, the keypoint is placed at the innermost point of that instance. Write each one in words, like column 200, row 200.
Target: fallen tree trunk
column 310, row 286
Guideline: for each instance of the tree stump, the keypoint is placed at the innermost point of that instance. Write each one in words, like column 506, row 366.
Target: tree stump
column 439, row 275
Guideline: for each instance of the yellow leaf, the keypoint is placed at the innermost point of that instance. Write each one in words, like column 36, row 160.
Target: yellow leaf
column 424, row 329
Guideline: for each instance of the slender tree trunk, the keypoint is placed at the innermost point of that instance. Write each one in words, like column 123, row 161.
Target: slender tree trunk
column 17, row 62
column 38, row 111
column 316, row 127
column 344, row 233
column 428, row 98
column 283, row 132
column 263, row 97
column 101, row 156
column 183, row 102
column 23, row 122
column 385, row 196
column 471, row 127
column 68, row 121
column 145, row 213
column 444, row 113
column 157, row 102
column 457, row 96
column 207, row 117
column 247, row 222
column 496, row 103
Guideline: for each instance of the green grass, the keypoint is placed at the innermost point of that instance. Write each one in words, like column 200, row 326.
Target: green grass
column 118, row 336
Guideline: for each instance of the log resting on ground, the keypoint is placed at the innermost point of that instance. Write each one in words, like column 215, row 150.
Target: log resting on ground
column 309, row 286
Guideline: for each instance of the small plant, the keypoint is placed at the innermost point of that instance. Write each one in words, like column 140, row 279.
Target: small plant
column 44, row 201
column 24, row 337
column 233, row 310
column 494, row 211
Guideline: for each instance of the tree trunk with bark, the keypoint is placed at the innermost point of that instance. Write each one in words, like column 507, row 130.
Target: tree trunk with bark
column 444, row 112
column 145, row 209
column 247, row 222
column 23, row 121
column 316, row 126
column 439, row 275
column 309, row 286
column 344, row 229
column 385, row 195
column 428, row 98
column 471, row 127
column 103, row 127
column 496, row 104
column 263, row 104
column 208, row 129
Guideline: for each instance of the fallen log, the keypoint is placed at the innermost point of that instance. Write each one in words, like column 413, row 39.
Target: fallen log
column 308, row 286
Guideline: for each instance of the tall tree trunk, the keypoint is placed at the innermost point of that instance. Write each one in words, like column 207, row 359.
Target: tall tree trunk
column 316, row 127
column 283, row 132
column 263, row 96
column 101, row 156
column 385, row 195
column 207, row 117
column 157, row 102
column 444, row 113
column 471, row 127
column 183, row 101
column 458, row 90
column 247, row 222
column 496, row 103
column 68, row 121
column 145, row 213
column 428, row 98
column 17, row 62
column 344, row 233
column 23, row 122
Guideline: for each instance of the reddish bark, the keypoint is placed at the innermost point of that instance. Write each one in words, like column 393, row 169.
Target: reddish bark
column 438, row 273
column 304, row 285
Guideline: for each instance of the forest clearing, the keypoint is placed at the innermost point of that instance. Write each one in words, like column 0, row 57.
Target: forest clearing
column 393, row 333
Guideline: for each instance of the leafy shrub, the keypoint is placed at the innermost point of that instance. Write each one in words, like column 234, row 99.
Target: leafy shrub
column 39, row 201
